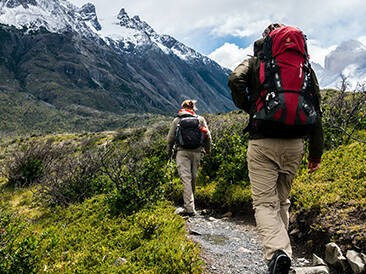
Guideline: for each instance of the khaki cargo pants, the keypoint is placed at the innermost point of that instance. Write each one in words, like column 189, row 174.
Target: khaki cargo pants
column 187, row 164
column 272, row 165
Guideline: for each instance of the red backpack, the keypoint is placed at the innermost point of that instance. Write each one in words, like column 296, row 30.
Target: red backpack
column 286, row 100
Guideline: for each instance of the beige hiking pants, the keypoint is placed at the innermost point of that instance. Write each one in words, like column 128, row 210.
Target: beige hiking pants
column 187, row 163
column 272, row 165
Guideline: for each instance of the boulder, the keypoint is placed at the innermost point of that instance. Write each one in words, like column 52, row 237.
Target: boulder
column 334, row 256
column 356, row 261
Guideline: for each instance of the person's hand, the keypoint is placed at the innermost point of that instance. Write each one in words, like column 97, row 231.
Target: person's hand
column 312, row 166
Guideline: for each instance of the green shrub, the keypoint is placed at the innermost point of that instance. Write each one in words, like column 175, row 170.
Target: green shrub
column 18, row 245
column 223, row 180
column 138, row 179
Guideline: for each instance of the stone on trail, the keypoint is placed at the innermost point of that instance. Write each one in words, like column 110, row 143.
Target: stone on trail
column 194, row 232
column 334, row 256
column 356, row 261
column 310, row 270
column 318, row 261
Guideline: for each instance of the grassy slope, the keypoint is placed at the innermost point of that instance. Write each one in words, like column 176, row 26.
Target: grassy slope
column 85, row 238
column 331, row 202
column 334, row 198
column 21, row 114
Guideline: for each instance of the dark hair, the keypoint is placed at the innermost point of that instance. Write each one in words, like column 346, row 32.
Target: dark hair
column 270, row 28
column 258, row 47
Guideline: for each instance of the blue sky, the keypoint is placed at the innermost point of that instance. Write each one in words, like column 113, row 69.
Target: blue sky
column 225, row 30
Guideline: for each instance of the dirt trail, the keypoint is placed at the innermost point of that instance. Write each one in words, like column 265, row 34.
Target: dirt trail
column 229, row 245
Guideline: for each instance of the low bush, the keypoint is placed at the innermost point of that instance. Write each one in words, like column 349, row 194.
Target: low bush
column 138, row 178
column 223, row 180
column 31, row 162
column 74, row 179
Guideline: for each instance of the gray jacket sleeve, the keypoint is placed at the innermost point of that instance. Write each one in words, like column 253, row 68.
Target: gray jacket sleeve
column 171, row 135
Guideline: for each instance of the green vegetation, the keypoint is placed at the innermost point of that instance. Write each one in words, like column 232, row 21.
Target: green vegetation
column 223, row 182
column 23, row 114
column 335, row 196
column 86, row 238
column 97, row 207
column 103, row 202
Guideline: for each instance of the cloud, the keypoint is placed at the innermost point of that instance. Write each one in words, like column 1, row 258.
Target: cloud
column 362, row 39
column 230, row 55
column 317, row 52
column 329, row 21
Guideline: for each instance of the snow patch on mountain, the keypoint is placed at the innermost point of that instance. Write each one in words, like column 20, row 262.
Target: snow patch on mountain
column 122, row 31
column 348, row 59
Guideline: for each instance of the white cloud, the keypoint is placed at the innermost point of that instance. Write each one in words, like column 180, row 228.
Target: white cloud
column 230, row 55
column 362, row 39
column 317, row 52
column 329, row 21
column 326, row 23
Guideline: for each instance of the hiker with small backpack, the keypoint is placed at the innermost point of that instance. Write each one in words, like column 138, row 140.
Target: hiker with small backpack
column 279, row 90
column 189, row 136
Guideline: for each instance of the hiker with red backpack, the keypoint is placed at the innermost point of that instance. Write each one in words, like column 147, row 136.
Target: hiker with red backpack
column 279, row 90
column 189, row 136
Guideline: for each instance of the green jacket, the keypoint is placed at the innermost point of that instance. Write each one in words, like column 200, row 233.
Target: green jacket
column 244, row 81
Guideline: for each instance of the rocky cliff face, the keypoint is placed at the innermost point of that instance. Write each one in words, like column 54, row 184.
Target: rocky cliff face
column 62, row 55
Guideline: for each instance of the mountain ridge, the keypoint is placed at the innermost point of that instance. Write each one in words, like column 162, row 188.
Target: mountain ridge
column 74, row 63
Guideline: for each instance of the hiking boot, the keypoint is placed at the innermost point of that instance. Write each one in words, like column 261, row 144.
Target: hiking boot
column 280, row 263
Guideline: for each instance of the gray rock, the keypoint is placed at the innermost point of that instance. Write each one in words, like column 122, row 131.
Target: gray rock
column 356, row 261
column 179, row 210
column 244, row 250
column 120, row 261
column 227, row 215
column 302, row 261
column 317, row 261
column 311, row 270
column 194, row 232
column 334, row 256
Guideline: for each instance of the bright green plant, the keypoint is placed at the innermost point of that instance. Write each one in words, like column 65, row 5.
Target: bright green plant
column 18, row 245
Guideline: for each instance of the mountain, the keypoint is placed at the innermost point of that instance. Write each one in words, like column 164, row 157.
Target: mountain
column 62, row 55
column 349, row 59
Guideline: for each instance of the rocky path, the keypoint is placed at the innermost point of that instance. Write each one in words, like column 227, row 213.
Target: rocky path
column 229, row 245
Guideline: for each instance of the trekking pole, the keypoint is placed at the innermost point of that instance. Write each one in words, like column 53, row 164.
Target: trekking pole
column 169, row 171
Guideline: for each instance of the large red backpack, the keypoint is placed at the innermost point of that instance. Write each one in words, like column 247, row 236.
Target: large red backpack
column 286, row 100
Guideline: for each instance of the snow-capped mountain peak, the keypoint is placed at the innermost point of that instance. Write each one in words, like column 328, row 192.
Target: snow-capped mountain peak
column 122, row 32
column 16, row 3
column 54, row 15
column 88, row 14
